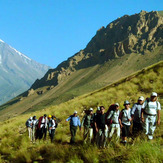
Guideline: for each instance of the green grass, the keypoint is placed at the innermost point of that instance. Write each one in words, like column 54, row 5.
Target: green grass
column 16, row 147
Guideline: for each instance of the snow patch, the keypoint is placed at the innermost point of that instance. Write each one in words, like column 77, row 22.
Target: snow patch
column 22, row 55
column 2, row 41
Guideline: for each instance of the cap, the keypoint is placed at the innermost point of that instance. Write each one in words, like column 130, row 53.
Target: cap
column 116, row 104
column 126, row 102
column 31, row 118
column 141, row 98
column 154, row 94
column 49, row 116
column 98, row 108
column 75, row 112
column 91, row 109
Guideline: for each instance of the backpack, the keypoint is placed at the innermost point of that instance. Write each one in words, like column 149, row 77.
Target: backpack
column 56, row 121
column 27, row 123
column 109, row 121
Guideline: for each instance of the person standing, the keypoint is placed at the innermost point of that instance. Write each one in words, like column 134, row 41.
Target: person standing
column 136, row 116
column 34, row 128
column 150, row 111
column 29, row 127
column 51, row 126
column 113, row 117
column 125, row 121
column 74, row 123
column 42, row 125
column 87, row 122
column 100, row 127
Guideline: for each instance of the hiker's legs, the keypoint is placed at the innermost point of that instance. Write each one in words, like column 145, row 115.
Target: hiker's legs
column 137, row 128
column 73, row 130
column 90, row 134
column 111, row 132
column 30, row 132
column 118, row 132
column 33, row 134
column 125, row 132
column 52, row 135
column 152, row 127
column 41, row 132
column 146, row 124
column 45, row 132
column 85, row 135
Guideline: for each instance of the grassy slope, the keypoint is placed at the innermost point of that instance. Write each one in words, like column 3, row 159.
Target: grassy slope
column 15, row 146
column 81, row 82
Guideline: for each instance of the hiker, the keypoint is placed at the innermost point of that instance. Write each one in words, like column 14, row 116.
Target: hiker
column 74, row 123
column 29, row 127
column 51, row 127
column 98, row 111
column 150, row 111
column 125, row 121
column 87, row 122
column 113, row 118
column 42, row 125
column 34, row 127
column 136, row 116
column 100, row 128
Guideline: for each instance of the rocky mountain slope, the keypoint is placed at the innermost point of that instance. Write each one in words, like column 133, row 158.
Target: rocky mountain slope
column 125, row 46
column 140, row 33
column 17, row 72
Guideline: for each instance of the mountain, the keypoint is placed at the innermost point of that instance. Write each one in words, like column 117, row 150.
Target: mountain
column 17, row 71
column 140, row 34
column 123, row 47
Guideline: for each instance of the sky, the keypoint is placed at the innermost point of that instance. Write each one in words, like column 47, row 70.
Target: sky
column 51, row 31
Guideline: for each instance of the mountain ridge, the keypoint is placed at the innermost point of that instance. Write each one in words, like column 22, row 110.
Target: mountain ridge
column 123, row 36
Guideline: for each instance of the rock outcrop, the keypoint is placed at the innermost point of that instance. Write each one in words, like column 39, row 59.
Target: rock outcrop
column 140, row 33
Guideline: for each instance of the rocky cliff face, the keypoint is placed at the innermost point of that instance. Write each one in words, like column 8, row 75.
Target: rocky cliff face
column 140, row 33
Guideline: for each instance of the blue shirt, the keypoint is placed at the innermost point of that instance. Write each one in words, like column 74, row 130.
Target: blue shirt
column 74, row 121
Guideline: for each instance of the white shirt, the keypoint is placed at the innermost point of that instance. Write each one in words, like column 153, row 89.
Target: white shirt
column 114, row 115
column 151, row 107
column 136, row 112
column 44, row 122
column 126, row 115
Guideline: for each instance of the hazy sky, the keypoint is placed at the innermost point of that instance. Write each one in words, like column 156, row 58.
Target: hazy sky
column 50, row 31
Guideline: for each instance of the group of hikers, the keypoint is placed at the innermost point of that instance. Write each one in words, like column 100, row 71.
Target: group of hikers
column 100, row 126
column 37, row 129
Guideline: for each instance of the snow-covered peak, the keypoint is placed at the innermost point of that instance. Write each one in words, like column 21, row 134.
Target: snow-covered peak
column 22, row 55
column 2, row 41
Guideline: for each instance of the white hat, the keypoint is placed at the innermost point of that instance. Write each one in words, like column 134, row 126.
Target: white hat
column 141, row 98
column 154, row 94
column 75, row 112
column 116, row 104
column 31, row 118
column 91, row 109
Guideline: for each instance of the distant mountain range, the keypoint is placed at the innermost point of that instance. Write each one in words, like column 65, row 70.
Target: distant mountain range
column 123, row 47
column 17, row 72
